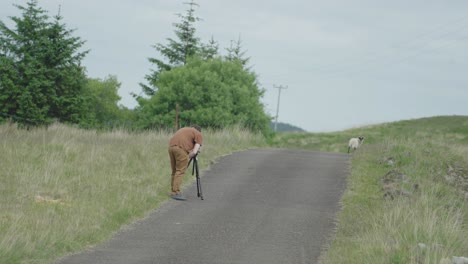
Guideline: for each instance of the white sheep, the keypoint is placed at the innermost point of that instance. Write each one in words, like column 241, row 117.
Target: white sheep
column 354, row 143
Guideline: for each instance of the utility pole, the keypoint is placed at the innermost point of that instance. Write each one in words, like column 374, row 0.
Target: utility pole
column 277, row 106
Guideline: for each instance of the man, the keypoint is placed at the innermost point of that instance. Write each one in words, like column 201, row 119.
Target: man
column 184, row 145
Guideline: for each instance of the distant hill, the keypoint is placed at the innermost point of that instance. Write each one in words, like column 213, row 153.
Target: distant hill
column 284, row 127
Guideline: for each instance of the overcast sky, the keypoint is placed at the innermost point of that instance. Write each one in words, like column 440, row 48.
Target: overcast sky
column 345, row 63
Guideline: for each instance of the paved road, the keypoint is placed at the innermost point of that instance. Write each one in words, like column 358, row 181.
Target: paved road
column 261, row 206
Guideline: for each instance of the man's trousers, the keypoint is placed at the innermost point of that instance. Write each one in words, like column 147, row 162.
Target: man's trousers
column 179, row 162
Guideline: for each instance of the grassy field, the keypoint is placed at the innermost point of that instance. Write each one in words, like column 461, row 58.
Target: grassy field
column 406, row 200
column 63, row 189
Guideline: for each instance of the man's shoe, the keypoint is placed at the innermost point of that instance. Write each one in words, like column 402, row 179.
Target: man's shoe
column 178, row 197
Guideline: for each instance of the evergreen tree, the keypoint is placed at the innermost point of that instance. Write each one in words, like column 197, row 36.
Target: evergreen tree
column 176, row 52
column 210, row 50
column 22, row 76
column 64, row 61
column 40, row 73
column 235, row 53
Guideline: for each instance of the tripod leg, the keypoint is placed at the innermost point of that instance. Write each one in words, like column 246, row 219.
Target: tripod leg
column 199, row 189
column 200, row 194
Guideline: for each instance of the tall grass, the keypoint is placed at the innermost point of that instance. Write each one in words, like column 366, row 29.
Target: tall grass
column 415, row 225
column 63, row 188
column 406, row 200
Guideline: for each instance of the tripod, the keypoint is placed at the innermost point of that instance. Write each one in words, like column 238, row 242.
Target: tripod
column 197, row 176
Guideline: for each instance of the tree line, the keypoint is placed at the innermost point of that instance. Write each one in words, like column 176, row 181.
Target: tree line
column 42, row 80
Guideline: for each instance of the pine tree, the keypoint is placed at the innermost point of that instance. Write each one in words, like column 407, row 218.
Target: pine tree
column 40, row 73
column 177, row 51
column 68, row 76
column 210, row 50
column 235, row 53
column 22, row 76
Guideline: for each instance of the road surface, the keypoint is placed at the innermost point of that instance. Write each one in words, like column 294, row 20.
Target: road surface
column 261, row 206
